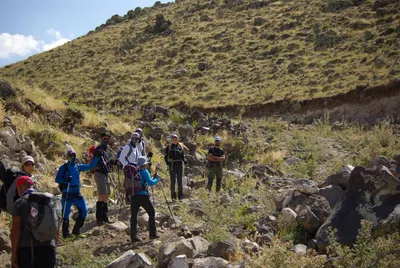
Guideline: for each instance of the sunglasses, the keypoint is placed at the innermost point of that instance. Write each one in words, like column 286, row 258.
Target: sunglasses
column 106, row 139
column 29, row 164
column 71, row 155
column 135, row 139
column 174, row 138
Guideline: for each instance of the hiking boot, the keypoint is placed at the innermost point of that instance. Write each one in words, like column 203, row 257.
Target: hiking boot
column 152, row 237
column 136, row 238
column 99, row 212
column 105, row 211
column 78, row 225
column 65, row 226
column 78, row 236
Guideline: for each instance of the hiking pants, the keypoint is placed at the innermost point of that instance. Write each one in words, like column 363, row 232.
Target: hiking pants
column 76, row 199
column 214, row 171
column 43, row 257
column 138, row 201
column 175, row 173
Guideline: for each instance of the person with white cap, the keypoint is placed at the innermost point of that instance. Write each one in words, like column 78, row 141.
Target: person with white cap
column 130, row 152
column 175, row 157
column 215, row 158
column 141, row 198
column 9, row 177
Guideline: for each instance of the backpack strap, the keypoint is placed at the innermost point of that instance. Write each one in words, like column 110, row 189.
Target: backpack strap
column 129, row 154
column 65, row 170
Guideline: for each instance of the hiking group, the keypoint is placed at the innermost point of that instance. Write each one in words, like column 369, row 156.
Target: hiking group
column 37, row 217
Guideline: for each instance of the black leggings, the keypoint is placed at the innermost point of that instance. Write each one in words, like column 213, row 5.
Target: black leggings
column 43, row 257
column 138, row 201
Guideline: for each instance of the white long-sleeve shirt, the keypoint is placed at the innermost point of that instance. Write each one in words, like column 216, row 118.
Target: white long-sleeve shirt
column 141, row 146
column 132, row 158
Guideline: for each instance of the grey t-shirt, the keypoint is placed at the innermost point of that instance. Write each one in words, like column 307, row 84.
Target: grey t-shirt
column 22, row 209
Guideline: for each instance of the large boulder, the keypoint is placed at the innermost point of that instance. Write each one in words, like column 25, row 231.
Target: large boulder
column 332, row 193
column 6, row 91
column 340, row 178
column 174, row 247
column 308, row 220
column 372, row 195
column 186, row 131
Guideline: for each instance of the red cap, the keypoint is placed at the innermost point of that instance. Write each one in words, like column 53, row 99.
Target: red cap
column 24, row 180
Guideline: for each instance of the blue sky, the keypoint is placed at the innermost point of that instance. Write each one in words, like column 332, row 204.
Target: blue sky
column 28, row 27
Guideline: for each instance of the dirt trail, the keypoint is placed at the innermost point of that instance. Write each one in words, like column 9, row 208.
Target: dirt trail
column 364, row 104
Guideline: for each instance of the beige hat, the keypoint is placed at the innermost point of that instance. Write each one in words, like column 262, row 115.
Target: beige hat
column 27, row 159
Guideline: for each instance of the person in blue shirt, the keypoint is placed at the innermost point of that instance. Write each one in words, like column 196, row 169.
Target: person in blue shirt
column 141, row 198
column 69, row 182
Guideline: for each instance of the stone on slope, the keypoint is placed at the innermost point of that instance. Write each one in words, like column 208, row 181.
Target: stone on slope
column 306, row 186
column 210, row 262
column 119, row 225
column 332, row 193
column 372, row 195
column 123, row 261
column 308, row 220
column 199, row 244
column 5, row 242
column 299, row 249
column 287, row 218
column 172, row 248
column 179, row 261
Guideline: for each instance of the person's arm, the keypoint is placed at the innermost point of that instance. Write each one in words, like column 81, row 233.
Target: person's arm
column 86, row 167
column 16, row 231
column 148, row 178
column 183, row 157
column 15, row 235
column 166, row 155
column 2, row 170
column 122, row 156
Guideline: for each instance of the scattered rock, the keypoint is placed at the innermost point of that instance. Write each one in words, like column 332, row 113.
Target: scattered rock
column 341, row 178
column 6, row 91
column 202, row 66
column 179, row 261
column 299, row 249
column 332, row 193
column 205, row 18
column 5, row 242
column 131, row 259
column 210, row 262
column 186, row 131
column 379, row 161
column 225, row 249
column 286, row 218
column 308, row 220
column 172, row 248
column 199, row 244
column 306, row 186
column 119, row 226
column 259, row 21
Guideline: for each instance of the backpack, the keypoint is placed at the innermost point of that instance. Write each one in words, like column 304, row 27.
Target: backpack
column 169, row 149
column 43, row 219
column 133, row 182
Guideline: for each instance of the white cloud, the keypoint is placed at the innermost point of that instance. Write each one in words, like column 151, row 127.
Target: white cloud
column 17, row 44
column 60, row 40
column 54, row 33
column 54, row 44
column 21, row 45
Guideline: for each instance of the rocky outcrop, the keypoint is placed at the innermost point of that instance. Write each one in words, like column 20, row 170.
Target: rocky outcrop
column 373, row 195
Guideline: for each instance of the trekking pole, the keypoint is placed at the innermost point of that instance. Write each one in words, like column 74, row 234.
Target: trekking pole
column 111, row 178
column 152, row 188
column 65, row 202
column 166, row 201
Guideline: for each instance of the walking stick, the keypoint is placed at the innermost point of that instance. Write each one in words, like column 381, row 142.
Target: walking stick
column 166, row 200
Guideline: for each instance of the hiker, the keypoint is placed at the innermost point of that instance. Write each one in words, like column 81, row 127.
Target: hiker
column 8, row 194
column 26, row 250
column 141, row 144
column 215, row 158
column 68, row 177
column 101, row 172
column 141, row 198
column 174, row 157
column 130, row 152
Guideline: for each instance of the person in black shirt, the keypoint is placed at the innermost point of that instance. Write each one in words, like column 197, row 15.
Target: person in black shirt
column 215, row 158
column 174, row 157
column 101, row 171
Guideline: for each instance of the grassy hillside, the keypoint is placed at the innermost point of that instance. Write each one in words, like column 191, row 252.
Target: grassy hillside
column 222, row 53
